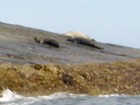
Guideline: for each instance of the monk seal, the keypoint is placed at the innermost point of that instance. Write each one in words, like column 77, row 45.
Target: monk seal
column 47, row 41
column 84, row 41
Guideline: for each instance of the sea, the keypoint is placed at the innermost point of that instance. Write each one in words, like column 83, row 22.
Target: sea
column 11, row 98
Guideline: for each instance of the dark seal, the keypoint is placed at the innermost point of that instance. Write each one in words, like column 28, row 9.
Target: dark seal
column 51, row 42
column 48, row 41
column 84, row 41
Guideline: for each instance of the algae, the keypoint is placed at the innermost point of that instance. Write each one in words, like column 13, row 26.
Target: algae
column 89, row 78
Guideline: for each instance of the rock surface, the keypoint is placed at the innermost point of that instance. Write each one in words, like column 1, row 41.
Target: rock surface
column 31, row 68
column 17, row 45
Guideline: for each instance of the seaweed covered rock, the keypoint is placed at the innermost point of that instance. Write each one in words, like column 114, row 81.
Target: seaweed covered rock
column 92, row 79
column 67, row 79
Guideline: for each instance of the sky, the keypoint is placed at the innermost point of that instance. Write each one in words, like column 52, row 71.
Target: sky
column 107, row 21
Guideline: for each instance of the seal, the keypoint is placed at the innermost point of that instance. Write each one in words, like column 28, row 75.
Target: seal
column 47, row 41
column 74, row 34
column 51, row 42
column 84, row 41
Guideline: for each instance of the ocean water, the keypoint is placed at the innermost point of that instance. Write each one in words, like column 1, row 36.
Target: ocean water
column 11, row 98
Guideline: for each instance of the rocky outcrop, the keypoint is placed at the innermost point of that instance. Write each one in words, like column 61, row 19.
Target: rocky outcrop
column 30, row 68
column 18, row 46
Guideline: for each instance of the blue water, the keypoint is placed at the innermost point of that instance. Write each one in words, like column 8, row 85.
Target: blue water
column 11, row 98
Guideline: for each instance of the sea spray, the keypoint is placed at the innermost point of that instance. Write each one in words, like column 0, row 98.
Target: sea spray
column 8, row 95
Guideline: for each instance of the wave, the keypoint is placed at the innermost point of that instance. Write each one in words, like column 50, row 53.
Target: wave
column 8, row 97
column 117, row 95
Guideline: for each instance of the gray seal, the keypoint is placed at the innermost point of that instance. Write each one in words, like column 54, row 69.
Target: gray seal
column 84, row 41
column 47, row 41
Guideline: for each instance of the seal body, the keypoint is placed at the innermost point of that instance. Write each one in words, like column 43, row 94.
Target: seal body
column 84, row 41
column 47, row 41
column 51, row 42
column 74, row 34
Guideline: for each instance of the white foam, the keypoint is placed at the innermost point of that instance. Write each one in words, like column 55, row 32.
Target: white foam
column 111, row 95
column 8, row 95
column 62, row 95
column 11, row 98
